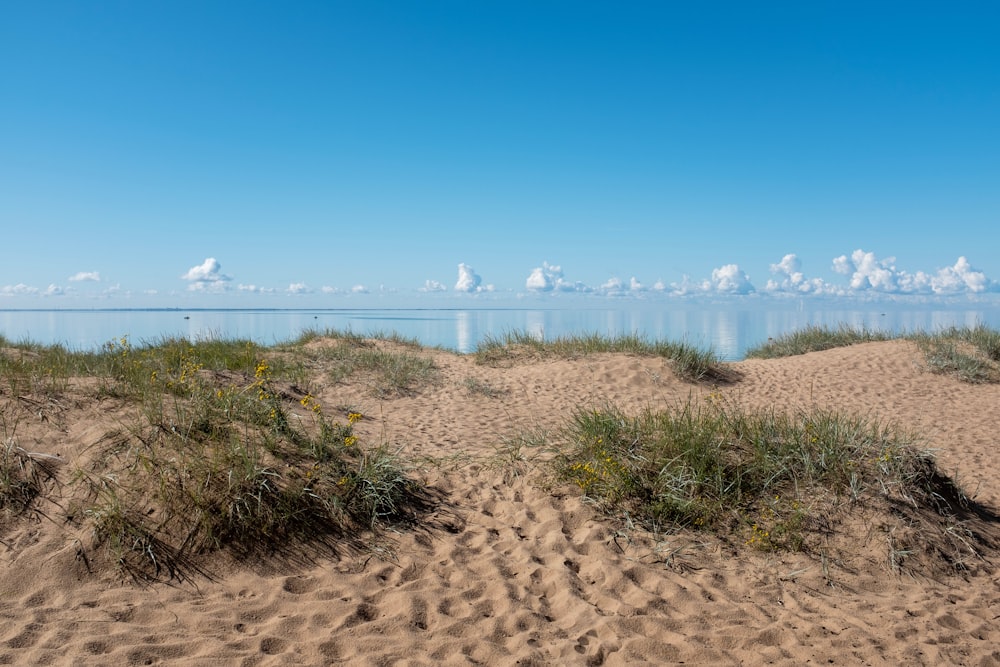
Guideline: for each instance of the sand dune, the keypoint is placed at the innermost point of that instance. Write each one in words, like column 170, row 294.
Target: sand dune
column 512, row 570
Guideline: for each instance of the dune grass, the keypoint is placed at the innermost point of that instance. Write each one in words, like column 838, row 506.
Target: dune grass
column 815, row 338
column 376, row 359
column 770, row 480
column 972, row 354
column 689, row 362
column 222, row 452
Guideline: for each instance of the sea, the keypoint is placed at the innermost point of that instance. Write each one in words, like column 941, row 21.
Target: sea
column 728, row 329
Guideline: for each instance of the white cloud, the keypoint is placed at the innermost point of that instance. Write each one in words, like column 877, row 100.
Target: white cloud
column 53, row 290
column 612, row 285
column 687, row 286
column 19, row 289
column 359, row 289
column 730, row 279
column 789, row 278
column 254, row 289
column 207, row 275
column 433, row 286
column 549, row 278
column 954, row 278
column 468, row 280
column 789, row 269
column 867, row 271
column 85, row 276
column 615, row 286
column 298, row 288
column 326, row 289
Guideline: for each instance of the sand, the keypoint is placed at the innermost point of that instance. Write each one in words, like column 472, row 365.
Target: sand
column 512, row 571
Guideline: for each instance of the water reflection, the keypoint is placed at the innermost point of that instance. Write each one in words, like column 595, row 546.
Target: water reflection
column 466, row 333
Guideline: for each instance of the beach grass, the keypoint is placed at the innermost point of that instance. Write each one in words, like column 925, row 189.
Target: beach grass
column 815, row 338
column 391, row 365
column 688, row 361
column 222, row 451
column 972, row 354
column 768, row 479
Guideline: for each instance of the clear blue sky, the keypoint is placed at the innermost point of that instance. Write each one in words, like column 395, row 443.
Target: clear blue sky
column 173, row 153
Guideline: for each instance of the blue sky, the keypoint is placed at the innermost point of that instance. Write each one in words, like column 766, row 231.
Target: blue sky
column 330, row 153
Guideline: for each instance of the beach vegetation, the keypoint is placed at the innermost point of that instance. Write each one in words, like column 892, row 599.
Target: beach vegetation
column 770, row 480
column 391, row 365
column 815, row 338
column 478, row 387
column 688, row 361
column 971, row 354
column 219, row 449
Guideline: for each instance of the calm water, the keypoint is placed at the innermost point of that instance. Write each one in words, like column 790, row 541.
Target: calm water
column 728, row 329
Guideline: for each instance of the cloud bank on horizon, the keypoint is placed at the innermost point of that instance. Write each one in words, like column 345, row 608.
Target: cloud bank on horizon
column 867, row 274
column 864, row 274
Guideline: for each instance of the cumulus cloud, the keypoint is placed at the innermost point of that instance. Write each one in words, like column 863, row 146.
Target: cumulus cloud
column 867, row 271
column 615, row 286
column 85, row 276
column 433, row 286
column 730, row 279
column 549, row 278
column 468, row 280
column 788, row 277
column 298, row 288
column 19, row 289
column 255, row 289
column 790, row 271
column 359, row 289
column 612, row 285
column 53, row 290
column 207, row 275
column 727, row 279
column 959, row 277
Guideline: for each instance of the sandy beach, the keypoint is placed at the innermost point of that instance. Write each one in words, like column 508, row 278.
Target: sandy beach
column 508, row 568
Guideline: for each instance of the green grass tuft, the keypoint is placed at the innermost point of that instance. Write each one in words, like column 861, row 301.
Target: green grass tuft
column 970, row 354
column 689, row 362
column 771, row 480
column 815, row 339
